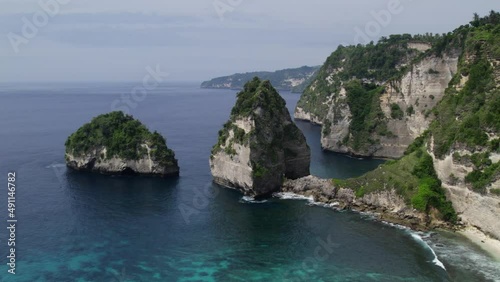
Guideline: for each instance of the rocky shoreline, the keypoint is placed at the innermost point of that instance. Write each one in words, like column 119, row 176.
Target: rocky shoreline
column 145, row 166
column 384, row 206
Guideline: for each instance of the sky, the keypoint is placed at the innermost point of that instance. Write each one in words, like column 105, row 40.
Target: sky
column 196, row 40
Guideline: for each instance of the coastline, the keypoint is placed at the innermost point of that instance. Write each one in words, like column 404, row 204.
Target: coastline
column 320, row 192
column 488, row 244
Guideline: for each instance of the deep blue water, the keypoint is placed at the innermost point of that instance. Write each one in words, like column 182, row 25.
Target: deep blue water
column 84, row 227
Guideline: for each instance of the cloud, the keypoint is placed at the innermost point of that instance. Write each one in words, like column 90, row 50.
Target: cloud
column 113, row 39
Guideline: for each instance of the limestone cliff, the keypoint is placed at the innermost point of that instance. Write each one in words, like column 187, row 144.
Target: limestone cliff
column 375, row 100
column 117, row 144
column 259, row 146
column 464, row 139
column 451, row 169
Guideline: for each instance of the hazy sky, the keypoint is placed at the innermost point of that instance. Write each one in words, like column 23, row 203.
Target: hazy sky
column 115, row 40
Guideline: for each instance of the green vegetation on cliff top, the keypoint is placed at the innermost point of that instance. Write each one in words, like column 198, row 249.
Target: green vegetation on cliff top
column 474, row 106
column 468, row 117
column 255, row 95
column 122, row 136
column 413, row 177
column 373, row 62
column 260, row 102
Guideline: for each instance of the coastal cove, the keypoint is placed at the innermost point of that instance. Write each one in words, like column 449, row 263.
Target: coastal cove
column 187, row 228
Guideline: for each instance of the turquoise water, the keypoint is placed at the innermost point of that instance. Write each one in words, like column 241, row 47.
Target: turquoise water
column 83, row 227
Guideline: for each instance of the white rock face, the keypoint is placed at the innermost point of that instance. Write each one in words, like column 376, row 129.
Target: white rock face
column 96, row 161
column 234, row 170
column 475, row 209
column 300, row 114
column 421, row 88
column 420, row 46
column 341, row 116
column 388, row 199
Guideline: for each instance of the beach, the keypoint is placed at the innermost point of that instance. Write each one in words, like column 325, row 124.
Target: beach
column 490, row 245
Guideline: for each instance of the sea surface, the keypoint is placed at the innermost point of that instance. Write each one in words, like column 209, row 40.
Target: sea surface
column 84, row 227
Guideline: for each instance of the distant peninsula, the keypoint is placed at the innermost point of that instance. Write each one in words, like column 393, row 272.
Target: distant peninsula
column 117, row 144
column 295, row 80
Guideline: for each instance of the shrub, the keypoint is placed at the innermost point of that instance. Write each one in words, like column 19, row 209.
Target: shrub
column 259, row 171
column 495, row 145
column 410, row 111
column 421, row 200
column 481, row 179
column 430, row 193
column 396, row 112
column 360, row 192
column 417, row 144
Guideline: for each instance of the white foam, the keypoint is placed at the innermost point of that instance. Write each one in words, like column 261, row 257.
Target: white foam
column 55, row 166
column 465, row 256
column 419, row 239
column 330, row 206
column 310, row 200
column 293, row 196
column 251, row 200
column 398, row 226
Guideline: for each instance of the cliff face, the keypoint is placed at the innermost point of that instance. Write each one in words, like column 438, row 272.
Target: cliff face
column 359, row 120
column 477, row 209
column 117, row 144
column 464, row 139
column 97, row 161
column 414, row 95
column 442, row 116
column 260, row 145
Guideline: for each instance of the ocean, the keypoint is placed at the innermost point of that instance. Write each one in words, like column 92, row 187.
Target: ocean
column 84, row 227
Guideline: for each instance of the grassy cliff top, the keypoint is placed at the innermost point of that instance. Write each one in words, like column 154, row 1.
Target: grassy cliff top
column 259, row 101
column 121, row 135
column 413, row 177
column 258, row 94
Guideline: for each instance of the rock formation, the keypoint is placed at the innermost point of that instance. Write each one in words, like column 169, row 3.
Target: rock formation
column 117, row 144
column 259, row 146
column 435, row 108
column 387, row 205
column 370, row 109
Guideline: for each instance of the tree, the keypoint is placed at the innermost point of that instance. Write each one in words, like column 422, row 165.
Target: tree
column 476, row 20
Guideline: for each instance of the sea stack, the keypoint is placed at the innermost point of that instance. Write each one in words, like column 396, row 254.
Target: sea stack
column 260, row 146
column 117, row 144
